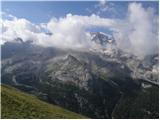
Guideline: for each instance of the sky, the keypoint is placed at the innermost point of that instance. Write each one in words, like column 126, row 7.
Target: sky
column 41, row 11
column 133, row 24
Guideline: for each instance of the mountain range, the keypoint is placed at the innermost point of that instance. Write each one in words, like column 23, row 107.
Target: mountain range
column 99, row 83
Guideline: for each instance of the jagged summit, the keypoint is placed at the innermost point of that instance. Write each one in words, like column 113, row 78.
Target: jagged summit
column 102, row 38
column 71, row 58
column 20, row 40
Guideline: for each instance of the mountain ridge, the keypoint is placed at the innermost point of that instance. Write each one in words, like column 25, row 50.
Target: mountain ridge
column 87, row 82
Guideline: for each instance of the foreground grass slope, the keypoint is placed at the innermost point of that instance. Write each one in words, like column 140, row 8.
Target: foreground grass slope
column 16, row 104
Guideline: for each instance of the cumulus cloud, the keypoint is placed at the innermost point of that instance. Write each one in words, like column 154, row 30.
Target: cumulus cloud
column 102, row 2
column 105, row 6
column 67, row 32
column 13, row 28
column 137, row 33
column 71, row 30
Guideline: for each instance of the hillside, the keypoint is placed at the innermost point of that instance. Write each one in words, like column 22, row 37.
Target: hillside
column 96, row 84
column 16, row 104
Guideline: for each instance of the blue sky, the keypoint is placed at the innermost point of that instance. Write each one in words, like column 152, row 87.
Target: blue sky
column 39, row 12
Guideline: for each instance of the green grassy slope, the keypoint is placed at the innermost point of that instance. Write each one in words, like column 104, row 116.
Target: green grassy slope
column 16, row 104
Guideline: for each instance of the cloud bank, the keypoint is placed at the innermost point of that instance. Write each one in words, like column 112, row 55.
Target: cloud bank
column 137, row 33
column 67, row 32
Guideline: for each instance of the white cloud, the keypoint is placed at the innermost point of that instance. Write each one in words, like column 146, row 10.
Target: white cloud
column 70, row 31
column 67, row 32
column 23, row 28
column 102, row 2
column 137, row 33
column 105, row 6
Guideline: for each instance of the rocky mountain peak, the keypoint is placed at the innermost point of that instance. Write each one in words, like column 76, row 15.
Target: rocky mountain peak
column 72, row 61
column 71, row 58
column 19, row 40
column 102, row 38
